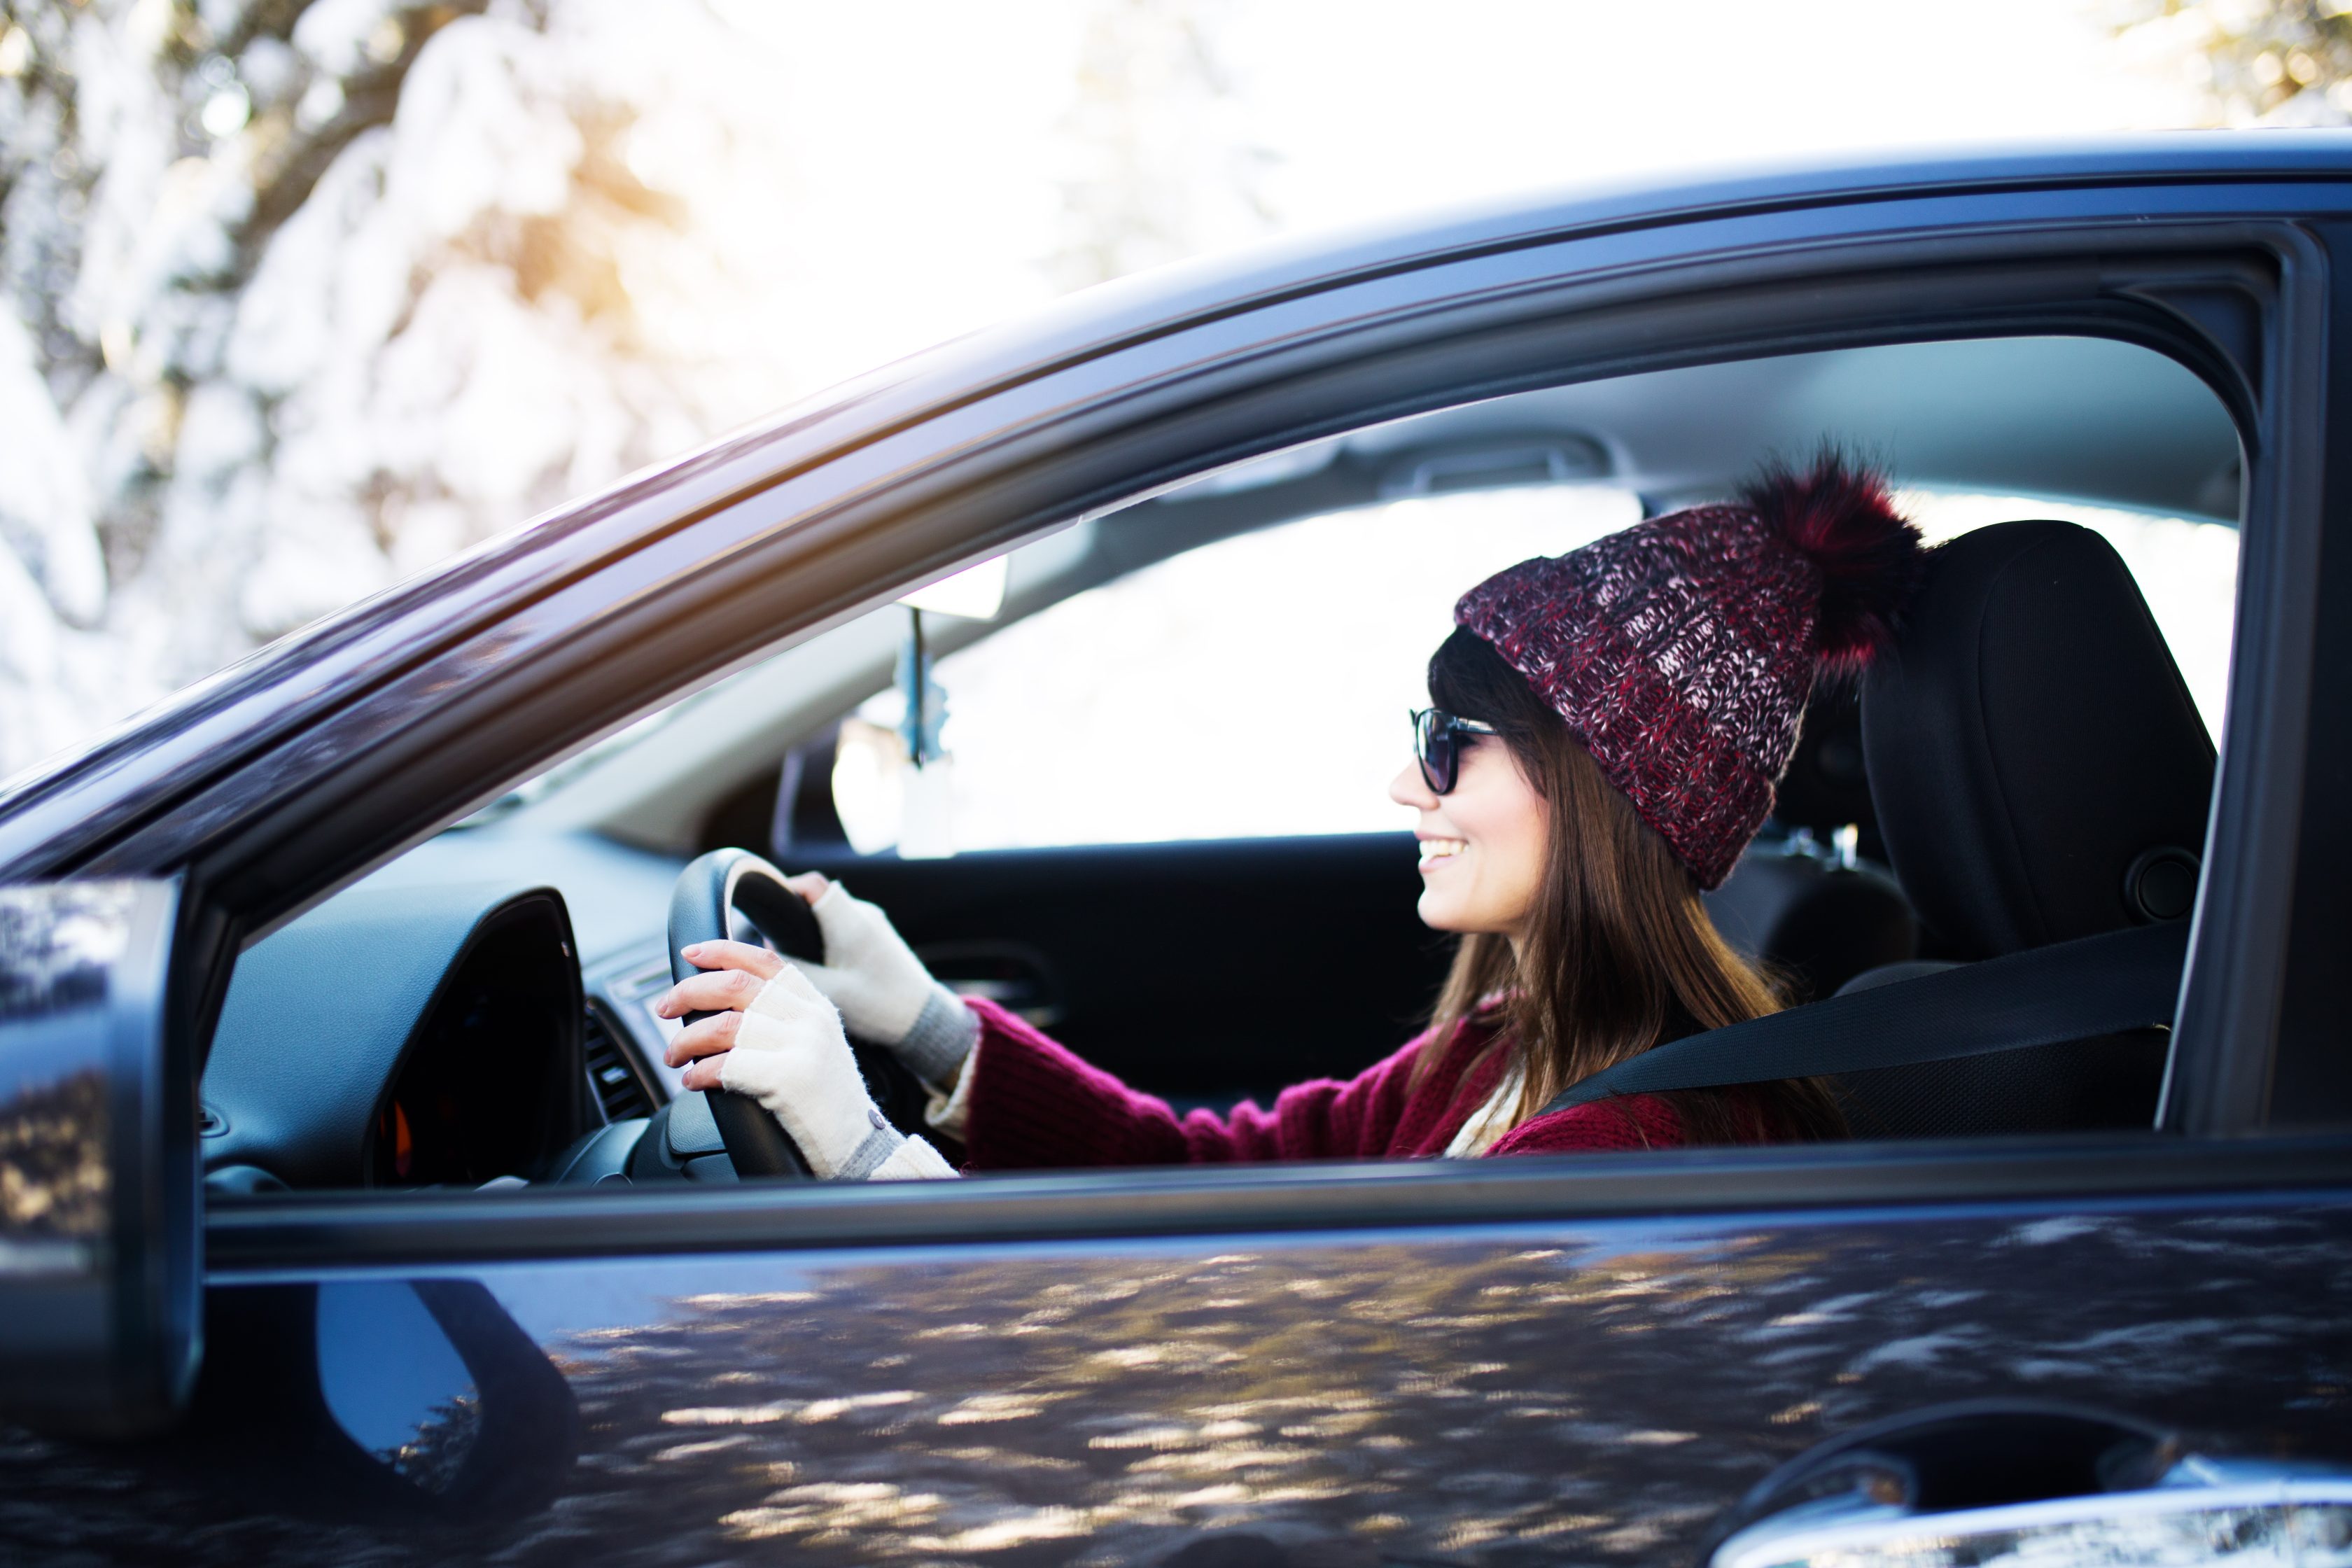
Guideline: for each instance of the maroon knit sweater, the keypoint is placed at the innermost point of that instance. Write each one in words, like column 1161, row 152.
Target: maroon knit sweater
column 1032, row 1104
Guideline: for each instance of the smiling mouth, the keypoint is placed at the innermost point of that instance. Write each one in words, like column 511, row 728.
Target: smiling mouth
column 1432, row 850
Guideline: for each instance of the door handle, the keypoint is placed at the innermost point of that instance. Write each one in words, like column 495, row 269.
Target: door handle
column 1987, row 1482
column 1014, row 975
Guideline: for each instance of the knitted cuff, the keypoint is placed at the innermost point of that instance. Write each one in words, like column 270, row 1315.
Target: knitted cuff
column 914, row 1160
column 943, row 1035
column 868, row 1156
column 886, row 1156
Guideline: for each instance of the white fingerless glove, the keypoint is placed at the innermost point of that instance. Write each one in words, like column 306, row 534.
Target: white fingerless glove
column 884, row 991
column 790, row 1054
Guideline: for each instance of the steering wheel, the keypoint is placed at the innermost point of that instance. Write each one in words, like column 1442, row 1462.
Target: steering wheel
column 712, row 889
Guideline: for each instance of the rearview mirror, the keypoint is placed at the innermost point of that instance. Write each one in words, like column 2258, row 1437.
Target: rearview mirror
column 99, row 1194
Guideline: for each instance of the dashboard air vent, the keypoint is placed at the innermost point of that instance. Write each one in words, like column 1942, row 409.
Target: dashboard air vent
column 612, row 1077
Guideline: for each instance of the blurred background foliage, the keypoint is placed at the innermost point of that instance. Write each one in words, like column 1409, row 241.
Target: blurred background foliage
column 307, row 295
column 2254, row 62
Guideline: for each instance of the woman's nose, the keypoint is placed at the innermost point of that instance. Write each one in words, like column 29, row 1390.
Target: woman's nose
column 1409, row 788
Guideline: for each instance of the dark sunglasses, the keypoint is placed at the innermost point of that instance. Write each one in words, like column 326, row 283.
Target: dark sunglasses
column 1437, row 745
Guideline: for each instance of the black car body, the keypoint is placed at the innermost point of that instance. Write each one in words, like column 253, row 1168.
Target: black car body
column 1514, row 1360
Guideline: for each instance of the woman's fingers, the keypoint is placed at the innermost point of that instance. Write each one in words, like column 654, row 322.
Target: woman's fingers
column 704, row 1038
column 809, row 884
column 709, row 993
column 704, row 1073
column 740, row 955
column 740, row 969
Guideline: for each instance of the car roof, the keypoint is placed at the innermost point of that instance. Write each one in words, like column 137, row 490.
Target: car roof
column 1166, row 296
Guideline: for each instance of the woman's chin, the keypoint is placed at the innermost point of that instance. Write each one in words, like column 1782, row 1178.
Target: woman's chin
column 1443, row 909
column 1435, row 912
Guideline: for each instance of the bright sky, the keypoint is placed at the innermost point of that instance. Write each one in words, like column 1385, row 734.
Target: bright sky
column 925, row 158
column 1406, row 104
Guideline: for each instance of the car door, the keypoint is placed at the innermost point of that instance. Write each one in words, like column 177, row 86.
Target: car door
column 1530, row 1360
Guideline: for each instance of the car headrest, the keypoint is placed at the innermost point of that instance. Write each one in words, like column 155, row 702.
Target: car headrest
column 1816, row 924
column 2038, row 767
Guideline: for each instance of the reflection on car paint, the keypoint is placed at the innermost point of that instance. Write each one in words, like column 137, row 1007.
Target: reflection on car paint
column 1491, row 1397
column 394, row 1382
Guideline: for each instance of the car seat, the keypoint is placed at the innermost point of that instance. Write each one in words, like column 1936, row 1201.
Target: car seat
column 2040, row 774
column 1812, row 920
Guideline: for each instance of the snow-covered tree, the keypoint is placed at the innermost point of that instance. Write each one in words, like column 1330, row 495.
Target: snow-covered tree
column 302, row 295
column 1162, row 160
column 2254, row 62
column 307, row 295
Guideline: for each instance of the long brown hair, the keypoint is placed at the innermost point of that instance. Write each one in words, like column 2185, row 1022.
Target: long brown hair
column 1618, row 953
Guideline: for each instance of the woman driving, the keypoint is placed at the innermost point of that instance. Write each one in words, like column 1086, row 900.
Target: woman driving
column 1606, row 730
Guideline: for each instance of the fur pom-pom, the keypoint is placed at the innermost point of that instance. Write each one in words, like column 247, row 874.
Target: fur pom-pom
column 1841, row 515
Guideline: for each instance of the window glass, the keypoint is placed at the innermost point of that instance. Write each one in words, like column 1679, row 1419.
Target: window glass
column 1253, row 686
column 2187, row 573
column 1257, row 686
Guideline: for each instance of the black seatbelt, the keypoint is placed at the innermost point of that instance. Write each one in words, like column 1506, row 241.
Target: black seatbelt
column 2076, row 989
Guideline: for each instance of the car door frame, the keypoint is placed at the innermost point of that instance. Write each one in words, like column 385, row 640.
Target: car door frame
column 692, row 573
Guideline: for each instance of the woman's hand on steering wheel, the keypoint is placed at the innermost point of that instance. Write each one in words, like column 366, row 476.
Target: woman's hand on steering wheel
column 773, row 1037
column 734, row 974
column 884, row 993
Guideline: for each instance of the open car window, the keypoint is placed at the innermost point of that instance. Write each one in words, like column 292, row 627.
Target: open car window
column 1255, row 686
column 2186, row 568
column 1168, row 734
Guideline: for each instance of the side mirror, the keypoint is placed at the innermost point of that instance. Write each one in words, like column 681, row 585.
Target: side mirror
column 100, row 1203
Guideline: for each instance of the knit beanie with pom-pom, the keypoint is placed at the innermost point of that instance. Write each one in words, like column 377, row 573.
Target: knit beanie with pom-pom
column 1681, row 650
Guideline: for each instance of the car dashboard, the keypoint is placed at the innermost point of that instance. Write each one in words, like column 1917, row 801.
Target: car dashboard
column 431, row 1036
